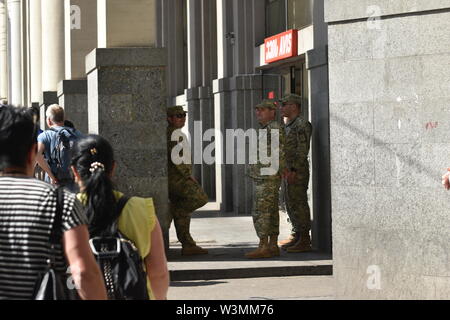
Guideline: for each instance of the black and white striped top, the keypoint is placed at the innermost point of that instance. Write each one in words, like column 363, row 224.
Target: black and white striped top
column 27, row 210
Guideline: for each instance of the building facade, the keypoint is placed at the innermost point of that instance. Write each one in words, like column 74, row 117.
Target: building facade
column 375, row 86
column 389, row 99
column 215, row 67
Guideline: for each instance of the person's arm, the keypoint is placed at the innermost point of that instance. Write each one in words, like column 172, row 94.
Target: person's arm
column 85, row 270
column 43, row 163
column 156, row 265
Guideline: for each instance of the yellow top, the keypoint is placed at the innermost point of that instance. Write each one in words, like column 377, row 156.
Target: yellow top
column 136, row 222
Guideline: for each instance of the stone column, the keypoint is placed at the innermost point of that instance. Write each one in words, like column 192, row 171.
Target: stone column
column 317, row 66
column 121, row 24
column 53, row 52
column 173, row 39
column 35, row 51
column 234, row 99
column 80, row 36
column 3, row 52
column 15, row 52
column 127, row 106
column 127, row 98
column 72, row 95
column 81, row 39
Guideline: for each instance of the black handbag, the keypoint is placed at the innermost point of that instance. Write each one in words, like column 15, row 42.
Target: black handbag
column 54, row 284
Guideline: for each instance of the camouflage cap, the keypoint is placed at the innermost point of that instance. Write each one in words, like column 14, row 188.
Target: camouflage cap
column 292, row 98
column 269, row 104
column 173, row 111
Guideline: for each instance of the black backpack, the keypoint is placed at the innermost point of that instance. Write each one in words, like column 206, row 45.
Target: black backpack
column 120, row 263
column 60, row 155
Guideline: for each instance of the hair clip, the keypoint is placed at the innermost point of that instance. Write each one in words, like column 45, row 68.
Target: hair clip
column 94, row 151
column 97, row 165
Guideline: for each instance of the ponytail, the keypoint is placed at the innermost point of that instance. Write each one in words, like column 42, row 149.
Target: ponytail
column 93, row 159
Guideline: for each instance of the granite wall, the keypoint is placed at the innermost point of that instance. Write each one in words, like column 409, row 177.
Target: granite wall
column 389, row 65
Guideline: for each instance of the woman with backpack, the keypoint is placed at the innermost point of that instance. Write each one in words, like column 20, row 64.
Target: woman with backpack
column 93, row 166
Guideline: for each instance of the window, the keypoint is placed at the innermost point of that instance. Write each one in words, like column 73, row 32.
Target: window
column 299, row 13
column 275, row 17
column 282, row 15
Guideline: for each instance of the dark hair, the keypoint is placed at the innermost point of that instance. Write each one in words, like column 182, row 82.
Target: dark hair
column 17, row 136
column 93, row 157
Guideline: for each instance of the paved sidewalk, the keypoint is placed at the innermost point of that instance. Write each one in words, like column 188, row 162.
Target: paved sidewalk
column 227, row 240
column 279, row 288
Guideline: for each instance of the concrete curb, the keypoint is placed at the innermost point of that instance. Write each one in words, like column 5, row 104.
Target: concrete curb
column 259, row 272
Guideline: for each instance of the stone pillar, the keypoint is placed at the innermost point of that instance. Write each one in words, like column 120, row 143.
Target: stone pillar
column 81, row 39
column 15, row 52
column 35, row 51
column 317, row 66
column 127, row 98
column 172, row 38
column 121, row 24
column 234, row 99
column 126, row 102
column 53, row 52
column 3, row 52
column 80, row 36
column 72, row 95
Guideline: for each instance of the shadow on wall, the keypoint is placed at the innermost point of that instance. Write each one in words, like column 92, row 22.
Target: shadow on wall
column 405, row 160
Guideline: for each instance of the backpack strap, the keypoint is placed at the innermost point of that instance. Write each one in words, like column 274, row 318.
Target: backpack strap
column 121, row 204
column 55, row 236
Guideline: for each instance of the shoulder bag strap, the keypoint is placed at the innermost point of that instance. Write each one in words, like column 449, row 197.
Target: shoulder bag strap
column 119, row 207
column 55, row 237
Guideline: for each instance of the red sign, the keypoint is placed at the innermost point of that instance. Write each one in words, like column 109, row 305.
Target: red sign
column 281, row 46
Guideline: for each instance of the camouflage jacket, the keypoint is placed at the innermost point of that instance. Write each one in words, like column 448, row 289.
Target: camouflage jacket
column 298, row 137
column 176, row 171
column 256, row 171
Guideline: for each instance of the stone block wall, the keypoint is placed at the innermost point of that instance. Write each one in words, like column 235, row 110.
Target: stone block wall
column 390, row 144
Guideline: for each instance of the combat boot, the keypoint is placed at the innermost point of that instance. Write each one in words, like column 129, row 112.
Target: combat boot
column 302, row 245
column 293, row 239
column 273, row 246
column 192, row 250
column 262, row 251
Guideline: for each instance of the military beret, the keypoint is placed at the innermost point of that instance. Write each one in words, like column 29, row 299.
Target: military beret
column 292, row 98
column 173, row 111
column 269, row 104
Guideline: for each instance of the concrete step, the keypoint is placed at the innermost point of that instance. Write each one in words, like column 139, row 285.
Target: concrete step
column 229, row 262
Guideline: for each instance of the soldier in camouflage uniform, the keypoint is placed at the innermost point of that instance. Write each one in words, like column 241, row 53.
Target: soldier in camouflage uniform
column 185, row 194
column 296, row 175
column 267, row 184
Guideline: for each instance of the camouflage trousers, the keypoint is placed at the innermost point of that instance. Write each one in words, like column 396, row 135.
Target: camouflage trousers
column 265, row 213
column 185, row 197
column 296, row 201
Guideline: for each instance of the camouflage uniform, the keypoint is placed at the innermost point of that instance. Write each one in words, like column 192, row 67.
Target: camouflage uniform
column 185, row 194
column 298, row 137
column 265, row 211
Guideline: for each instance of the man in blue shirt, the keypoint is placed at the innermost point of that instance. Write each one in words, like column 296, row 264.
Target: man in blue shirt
column 57, row 165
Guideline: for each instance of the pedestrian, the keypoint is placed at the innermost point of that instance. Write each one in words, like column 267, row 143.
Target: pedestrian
column 185, row 193
column 27, row 212
column 56, row 144
column 296, row 175
column 93, row 167
column 265, row 211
